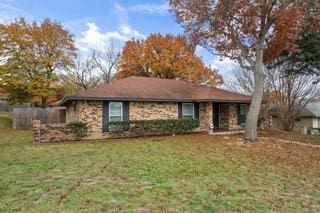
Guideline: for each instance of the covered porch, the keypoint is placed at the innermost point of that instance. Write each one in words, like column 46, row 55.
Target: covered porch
column 223, row 116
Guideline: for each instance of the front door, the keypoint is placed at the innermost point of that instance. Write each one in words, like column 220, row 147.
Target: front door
column 216, row 115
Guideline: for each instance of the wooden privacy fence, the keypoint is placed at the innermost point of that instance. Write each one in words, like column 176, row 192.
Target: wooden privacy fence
column 23, row 117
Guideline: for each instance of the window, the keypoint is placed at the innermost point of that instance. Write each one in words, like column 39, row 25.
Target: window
column 187, row 111
column 242, row 113
column 298, row 119
column 242, row 109
column 115, row 111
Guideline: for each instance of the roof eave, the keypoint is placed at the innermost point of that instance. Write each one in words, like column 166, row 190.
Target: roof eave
column 67, row 99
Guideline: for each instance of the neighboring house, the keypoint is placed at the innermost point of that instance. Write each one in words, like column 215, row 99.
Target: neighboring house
column 309, row 118
column 138, row 98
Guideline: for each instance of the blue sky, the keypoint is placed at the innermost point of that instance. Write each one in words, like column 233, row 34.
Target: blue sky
column 95, row 23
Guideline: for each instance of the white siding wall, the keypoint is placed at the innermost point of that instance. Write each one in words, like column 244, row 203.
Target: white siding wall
column 316, row 123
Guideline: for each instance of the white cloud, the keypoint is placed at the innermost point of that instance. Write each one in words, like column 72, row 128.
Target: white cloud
column 95, row 38
column 150, row 8
column 130, row 33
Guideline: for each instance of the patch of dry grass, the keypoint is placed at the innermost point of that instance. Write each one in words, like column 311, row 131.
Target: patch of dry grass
column 292, row 136
column 192, row 173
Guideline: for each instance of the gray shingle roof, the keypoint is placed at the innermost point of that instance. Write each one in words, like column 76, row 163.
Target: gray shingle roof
column 314, row 108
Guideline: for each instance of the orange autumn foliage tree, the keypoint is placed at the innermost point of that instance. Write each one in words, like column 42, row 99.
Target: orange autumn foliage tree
column 252, row 32
column 166, row 57
column 32, row 56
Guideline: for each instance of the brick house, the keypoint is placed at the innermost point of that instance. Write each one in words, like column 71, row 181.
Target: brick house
column 137, row 98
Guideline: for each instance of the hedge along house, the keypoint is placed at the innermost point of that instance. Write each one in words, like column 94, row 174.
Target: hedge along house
column 142, row 98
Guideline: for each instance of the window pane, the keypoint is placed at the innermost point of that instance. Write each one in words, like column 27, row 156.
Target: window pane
column 115, row 108
column 242, row 115
column 242, row 109
column 115, row 111
column 187, row 110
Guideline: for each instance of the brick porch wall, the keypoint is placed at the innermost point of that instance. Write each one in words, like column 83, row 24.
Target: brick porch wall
column 233, row 117
column 205, row 116
column 229, row 116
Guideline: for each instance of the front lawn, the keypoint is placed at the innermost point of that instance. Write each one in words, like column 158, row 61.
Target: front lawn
column 193, row 173
column 293, row 136
column 5, row 121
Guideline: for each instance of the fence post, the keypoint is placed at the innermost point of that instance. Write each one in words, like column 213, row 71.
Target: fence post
column 36, row 128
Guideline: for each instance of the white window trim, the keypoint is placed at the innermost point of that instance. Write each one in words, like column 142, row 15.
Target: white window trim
column 193, row 114
column 121, row 113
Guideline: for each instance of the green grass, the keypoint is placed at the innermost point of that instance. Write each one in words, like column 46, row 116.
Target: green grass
column 193, row 173
column 5, row 121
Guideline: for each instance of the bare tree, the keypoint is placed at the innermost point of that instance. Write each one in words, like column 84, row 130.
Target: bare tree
column 84, row 75
column 241, row 81
column 286, row 94
column 106, row 61
column 91, row 69
column 290, row 94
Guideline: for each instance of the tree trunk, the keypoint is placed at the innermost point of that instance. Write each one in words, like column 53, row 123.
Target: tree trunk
column 44, row 102
column 287, row 123
column 254, row 110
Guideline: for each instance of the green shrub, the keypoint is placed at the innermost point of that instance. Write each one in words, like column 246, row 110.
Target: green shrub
column 315, row 131
column 79, row 128
column 149, row 127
